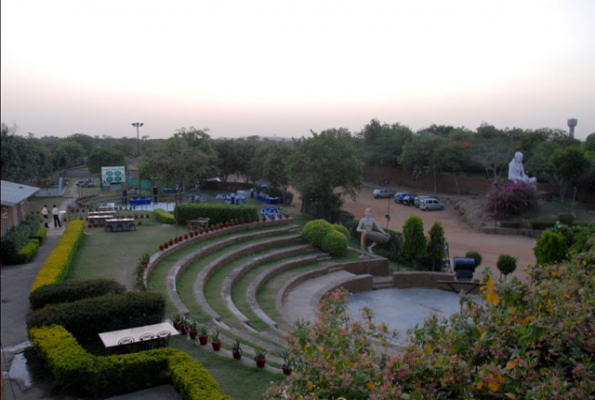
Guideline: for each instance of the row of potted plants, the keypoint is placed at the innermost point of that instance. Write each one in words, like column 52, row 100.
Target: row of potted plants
column 187, row 326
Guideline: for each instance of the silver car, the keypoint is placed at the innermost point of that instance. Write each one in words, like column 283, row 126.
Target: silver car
column 382, row 193
column 430, row 204
column 418, row 200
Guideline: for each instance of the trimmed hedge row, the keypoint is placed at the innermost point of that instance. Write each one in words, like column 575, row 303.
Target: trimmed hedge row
column 69, row 291
column 83, row 374
column 40, row 234
column 511, row 224
column 217, row 213
column 27, row 253
column 56, row 266
column 16, row 239
column 541, row 225
column 86, row 318
column 164, row 217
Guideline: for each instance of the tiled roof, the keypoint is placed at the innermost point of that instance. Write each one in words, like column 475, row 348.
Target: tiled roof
column 14, row 193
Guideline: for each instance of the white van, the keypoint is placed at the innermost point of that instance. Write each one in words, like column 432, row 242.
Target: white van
column 430, row 204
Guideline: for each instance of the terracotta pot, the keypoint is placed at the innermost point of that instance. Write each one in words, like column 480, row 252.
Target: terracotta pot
column 203, row 339
column 287, row 370
column 166, row 245
column 171, row 242
column 178, row 326
column 237, row 355
column 185, row 237
column 184, row 330
column 216, row 346
column 193, row 334
column 191, row 234
column 161, row 247
column 261, row 363
column 140, row 222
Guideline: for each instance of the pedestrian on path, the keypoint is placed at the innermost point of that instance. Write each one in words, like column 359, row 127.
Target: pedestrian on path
column 56, row 214
column 45, row 213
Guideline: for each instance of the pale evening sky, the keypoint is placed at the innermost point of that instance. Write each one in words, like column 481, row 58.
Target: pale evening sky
column 282, row 68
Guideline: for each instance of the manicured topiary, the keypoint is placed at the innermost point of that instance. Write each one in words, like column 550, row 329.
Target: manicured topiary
column 414, row 240
column 335, row 243
column 343, row 230
column 315, row 231
column 69, row 291
column 506, row 264
column 27, row 253
column 551, row 247
column 164, row 217
column 41, row 234
column 476, row 256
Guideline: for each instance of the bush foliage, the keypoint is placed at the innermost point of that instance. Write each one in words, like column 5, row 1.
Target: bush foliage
column 414, row 240
column 69, row 291
column 506, row 264
column 164, row 217
column 58, row 262
column 508, row 198
column 79, row 373
column 315, row 231
column 88, row 317
column 17, row 238
column 40, row 234
column 551, row 247
column 217, row 213
column 335, row 243
column 525, row 339
column 27, row 253
column 476, row 256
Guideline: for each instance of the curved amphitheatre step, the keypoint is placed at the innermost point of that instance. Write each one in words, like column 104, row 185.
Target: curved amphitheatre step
column 263, row 277
column 231, row 279
column 206, row 272
column 180, row 266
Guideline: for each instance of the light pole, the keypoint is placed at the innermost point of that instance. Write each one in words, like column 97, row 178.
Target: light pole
column 138, row 125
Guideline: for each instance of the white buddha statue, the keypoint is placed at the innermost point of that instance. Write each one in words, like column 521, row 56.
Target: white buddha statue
column 516, row 172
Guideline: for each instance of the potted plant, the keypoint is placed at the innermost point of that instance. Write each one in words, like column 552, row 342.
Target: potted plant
column 193, row 329
column 261, row 359
column 237, row 350
column 203, row 334
column 287, row 367
column 216, row 341
column 185, row 326
column 176, row 320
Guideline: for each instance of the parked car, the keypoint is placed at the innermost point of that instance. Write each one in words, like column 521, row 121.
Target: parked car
column 430, row 204
column 382, row 193
column 408, row 199
column 400, row 195
column 418, row 199
column 86, row 183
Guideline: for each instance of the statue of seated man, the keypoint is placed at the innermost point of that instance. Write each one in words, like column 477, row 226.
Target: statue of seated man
column 516, row 172
column 365, row 227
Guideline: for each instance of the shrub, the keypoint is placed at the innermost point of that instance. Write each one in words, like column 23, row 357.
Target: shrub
column 566, row 219
column 69, row 291
column 27, row 253
column 217, row 213
column 315, row 231
column 88, row 317
column 164, row 217
column 343, row 230
column 414, row 240
column 335, row 243
column 541, row 225
column 79, row 373
column 436, row 244
column 511, row 224
column 476, row 256
column 41, row 234
column 508, row 198
column 16, row 239
column 551, row 247
column 56, row 266
column 506, row 264
column 393, row 249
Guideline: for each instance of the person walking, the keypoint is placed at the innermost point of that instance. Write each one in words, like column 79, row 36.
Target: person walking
column 45, row 213
column 56, row 214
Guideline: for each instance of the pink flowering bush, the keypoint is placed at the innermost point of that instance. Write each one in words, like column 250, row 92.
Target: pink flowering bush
column 507, row 198
column 532, row 339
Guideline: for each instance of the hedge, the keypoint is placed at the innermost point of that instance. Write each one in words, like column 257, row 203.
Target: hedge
column 57, row 264
column 315, row 231
column 164, row 217
column 541, row 225
column 69, row 291
column 82, row 374
column 511, row 224
column 335, row 243
column 88, row 317
column 217, row 213
column 16, row 239
column 41, row 234
column 27, row 253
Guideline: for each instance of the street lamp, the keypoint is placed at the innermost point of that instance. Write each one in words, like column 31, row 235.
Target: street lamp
column 138, row 125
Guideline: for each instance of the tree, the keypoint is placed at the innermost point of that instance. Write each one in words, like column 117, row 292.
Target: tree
column 436, row 244
column 383, row 143
column 506, row 264
column 86, row 141
column 414, row 240
column 229, row 157
column 23, row 159
column 417, row 154
column 493, row 153
column 68, row 154
column 569, row 166
column 269, row 163
column 590, row 142
column 451, row 157
column 187, row 156
column 324, row 169
column 104, row 158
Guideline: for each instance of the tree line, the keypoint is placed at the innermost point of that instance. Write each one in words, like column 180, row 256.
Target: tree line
column 324, row 168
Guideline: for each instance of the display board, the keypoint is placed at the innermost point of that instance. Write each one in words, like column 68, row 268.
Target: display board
column 111, row 175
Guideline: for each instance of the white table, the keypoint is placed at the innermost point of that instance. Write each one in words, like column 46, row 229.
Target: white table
column 112, row 339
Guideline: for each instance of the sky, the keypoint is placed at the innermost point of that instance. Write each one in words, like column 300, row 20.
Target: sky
column 285, row 68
